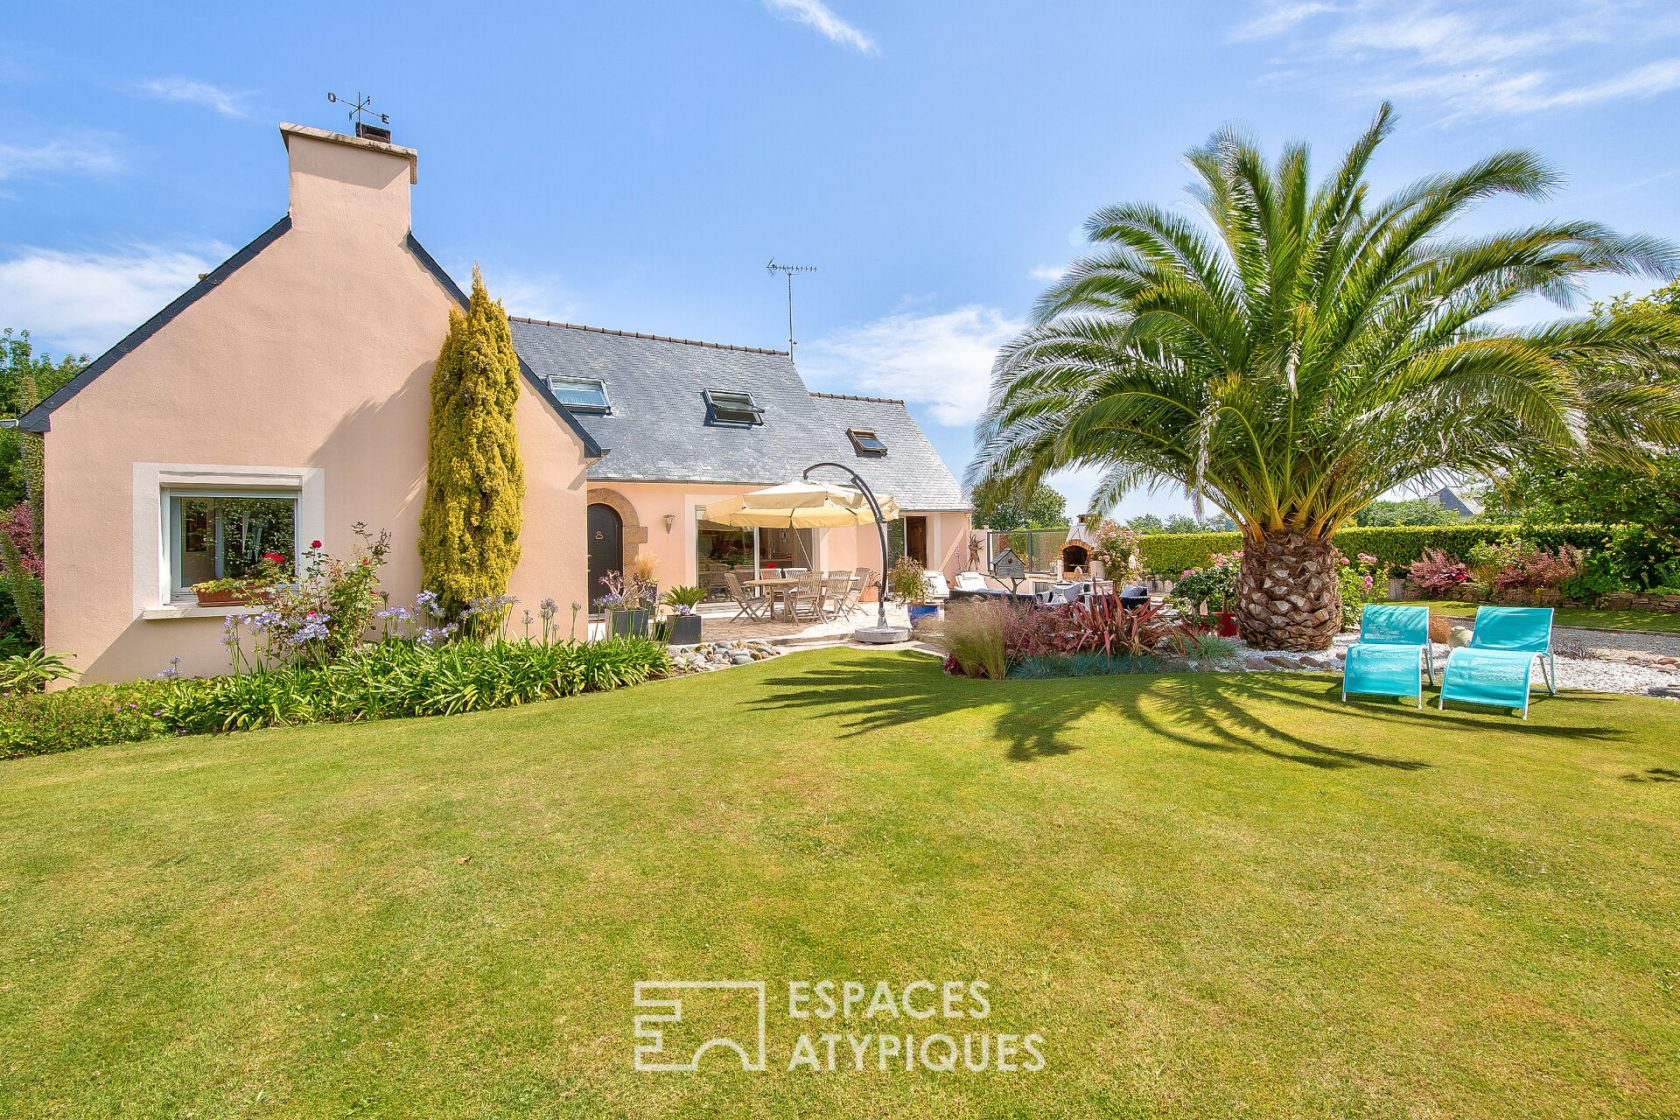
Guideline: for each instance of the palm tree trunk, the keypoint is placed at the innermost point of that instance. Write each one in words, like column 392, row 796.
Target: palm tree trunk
column 1288, row 595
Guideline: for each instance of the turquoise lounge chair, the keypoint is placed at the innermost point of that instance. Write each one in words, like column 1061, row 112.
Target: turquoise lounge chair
column 1497, row 666
column 1391, row 654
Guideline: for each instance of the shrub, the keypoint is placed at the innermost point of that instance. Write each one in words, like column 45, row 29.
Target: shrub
column 1056, row 666
column 1640, row 560
column 684, row 598
column 983, row 639
column 908, row 580
column 86, row 716
column 1211, row 586
column 1168, row 554
column 1435, row 572
column 1361, row 580
column 1115, row 547
column 974, row 637
column 383, row 680
column 396, row 678
column 1202, row 645
column 1596, row 579
column 473, row 506
column 1522, row 565
column 33, row 671
column 20, row 567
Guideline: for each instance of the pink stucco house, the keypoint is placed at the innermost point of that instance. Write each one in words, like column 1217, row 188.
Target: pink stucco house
column 283, row 398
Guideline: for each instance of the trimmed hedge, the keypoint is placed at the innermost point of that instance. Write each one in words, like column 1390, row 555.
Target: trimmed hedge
column 1169, row 554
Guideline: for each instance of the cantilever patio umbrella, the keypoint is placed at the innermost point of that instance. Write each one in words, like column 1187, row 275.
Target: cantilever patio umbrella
column 816, row 505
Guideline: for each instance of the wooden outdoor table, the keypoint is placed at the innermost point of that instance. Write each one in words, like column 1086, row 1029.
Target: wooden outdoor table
column 775, row 588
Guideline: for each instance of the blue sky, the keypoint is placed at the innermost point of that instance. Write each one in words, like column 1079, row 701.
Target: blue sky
column 635, row 165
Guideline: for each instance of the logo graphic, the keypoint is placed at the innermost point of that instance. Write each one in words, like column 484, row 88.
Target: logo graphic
column 687, row 1011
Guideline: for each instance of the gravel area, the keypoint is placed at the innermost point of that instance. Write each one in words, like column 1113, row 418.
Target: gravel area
column 1600, row 643
column 1596, row 661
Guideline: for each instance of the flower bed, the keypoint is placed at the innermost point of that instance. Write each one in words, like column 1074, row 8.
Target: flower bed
column 382, row 680
column 993, row 639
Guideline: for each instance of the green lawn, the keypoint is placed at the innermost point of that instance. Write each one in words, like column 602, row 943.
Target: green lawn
column 1654, row 621
column 1213, row 896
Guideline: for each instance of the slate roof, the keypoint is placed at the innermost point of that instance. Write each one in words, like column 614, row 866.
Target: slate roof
column 658, row 430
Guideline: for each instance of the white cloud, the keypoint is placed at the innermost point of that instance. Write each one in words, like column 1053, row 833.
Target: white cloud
column 1475, row 60
column 1647, row 81
column 819, row 16
column 531, row 295
column 1278, row 18
column 57, row 155
column 225, row 102
column 941, row 361
column 1048, row 272
column 83, row 303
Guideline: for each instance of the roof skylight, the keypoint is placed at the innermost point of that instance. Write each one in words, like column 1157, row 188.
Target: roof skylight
column 866, row 441
column 581, row 394
column 730, row 407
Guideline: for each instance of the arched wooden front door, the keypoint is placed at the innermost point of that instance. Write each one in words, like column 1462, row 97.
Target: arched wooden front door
column 606, row 547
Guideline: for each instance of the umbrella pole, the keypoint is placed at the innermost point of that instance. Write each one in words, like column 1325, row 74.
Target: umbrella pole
column 880, row 525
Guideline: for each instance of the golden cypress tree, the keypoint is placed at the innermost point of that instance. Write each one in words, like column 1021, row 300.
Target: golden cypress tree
column 475, row 484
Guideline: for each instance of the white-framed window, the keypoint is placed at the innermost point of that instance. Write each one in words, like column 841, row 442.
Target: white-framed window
column 581, row 394
column 225, row 533
column 201, row 521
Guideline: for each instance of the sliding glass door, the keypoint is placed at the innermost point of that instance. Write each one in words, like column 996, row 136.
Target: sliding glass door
column 720, row 549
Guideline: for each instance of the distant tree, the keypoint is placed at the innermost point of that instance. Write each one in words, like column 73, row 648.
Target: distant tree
column 1180, row 523
column 1146, row 523
column 475, row 482
column 26, row 378
column 1411, row 511
column 1642, row 488
column 996, row 508
column 1564, row 492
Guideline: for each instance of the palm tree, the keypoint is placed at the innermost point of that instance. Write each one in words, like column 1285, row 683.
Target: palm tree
column 1309, row 348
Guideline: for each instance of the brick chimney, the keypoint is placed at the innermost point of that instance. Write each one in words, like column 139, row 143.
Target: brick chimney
column 345, row 184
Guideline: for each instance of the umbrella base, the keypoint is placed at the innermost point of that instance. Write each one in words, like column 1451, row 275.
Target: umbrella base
column 881, row 635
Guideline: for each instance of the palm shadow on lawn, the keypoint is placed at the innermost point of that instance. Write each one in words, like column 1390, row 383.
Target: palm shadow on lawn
column 1290, row 717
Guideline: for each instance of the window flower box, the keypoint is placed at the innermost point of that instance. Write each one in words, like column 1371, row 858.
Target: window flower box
column 223, row 597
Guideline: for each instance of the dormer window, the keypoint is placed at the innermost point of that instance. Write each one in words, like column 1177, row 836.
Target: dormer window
column 581, row 394
column 866, row 441
column 729, row 407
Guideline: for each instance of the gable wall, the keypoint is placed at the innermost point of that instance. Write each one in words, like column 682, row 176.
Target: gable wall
column 315, row 357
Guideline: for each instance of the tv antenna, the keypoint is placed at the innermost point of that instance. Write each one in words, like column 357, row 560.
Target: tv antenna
column 788, row 270
column 364, row 129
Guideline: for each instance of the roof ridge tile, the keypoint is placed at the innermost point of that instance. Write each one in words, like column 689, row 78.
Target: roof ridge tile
column 649, row 337
column 855, row 397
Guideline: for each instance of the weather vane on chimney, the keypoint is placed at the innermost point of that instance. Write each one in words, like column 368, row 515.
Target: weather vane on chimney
column 364, row 130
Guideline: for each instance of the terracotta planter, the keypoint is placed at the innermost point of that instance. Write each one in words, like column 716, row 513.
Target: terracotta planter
column 224, row 598
column 871, row 594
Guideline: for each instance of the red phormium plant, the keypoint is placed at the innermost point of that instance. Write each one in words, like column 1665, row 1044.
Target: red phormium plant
column 1436, row 571
column 983, row 639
